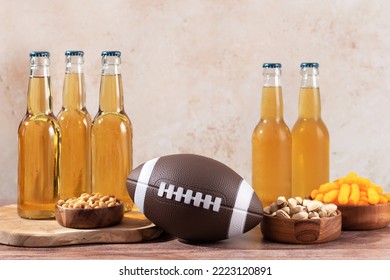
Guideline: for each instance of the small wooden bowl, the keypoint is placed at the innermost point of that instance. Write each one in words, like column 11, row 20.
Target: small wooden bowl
column 89, row 218
column 365, row 217
column 308, row 231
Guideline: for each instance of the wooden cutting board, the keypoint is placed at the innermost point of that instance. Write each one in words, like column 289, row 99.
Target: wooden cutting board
column 48, row 233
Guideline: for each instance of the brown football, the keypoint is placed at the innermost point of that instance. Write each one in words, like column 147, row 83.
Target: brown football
column 194, row 198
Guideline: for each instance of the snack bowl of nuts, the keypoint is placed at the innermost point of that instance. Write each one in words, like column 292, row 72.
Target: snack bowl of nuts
column 301, row 221
column 89, row 211
column 365, row 217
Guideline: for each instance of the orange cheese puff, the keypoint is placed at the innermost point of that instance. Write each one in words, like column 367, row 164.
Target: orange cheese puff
column 352, row 174
column 324, row 188
column 349, row 180
column 343, row 196
column 373, row 197
column 365, row 184
column 378, row 189
column 363, row 193
column 383, row 199
column 363, row 198
column 355, row 194
column 362, row 202
column 314, row 193
column 331, row 196
column 359, row 181
column 387, row 195
column 320, row 197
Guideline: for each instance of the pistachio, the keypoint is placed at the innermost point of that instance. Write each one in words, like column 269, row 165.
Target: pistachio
column 313, row 205
column 297, row 209
column 299, row 200
column 273, row 207
column 282, row 214
column 267, row 210
column 292, row 202
column 281, row 201
column 305, row 202
column 300, row 215
column 322, row 213
column 330, row 208
column 313, row 215
column 286, row 209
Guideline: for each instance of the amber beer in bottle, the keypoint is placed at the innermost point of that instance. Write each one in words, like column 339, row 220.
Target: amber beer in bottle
column 39, row 140
column 271, row 141
column 111, row 134
column 75, row 123
column 310, row 137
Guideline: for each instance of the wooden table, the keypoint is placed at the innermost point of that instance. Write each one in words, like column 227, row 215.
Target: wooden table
column 352, row 245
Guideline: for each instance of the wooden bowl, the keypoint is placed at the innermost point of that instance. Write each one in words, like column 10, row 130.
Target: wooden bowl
column 89, row 218
column 308, row 231
column 365, row 217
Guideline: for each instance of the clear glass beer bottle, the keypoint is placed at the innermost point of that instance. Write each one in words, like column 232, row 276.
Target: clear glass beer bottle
column 271, row 141
column 310, row 136
column 39, row 145
column 111, row 134
column 75, row 123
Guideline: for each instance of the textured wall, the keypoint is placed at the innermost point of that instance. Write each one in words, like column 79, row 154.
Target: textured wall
column 192, row 72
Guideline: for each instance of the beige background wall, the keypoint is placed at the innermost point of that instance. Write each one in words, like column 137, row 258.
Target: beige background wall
column 192, row 72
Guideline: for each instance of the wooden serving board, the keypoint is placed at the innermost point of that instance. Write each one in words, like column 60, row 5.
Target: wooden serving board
column 17, row 231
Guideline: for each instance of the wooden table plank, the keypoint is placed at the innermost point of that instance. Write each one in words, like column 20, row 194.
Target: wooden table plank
column 351, row 245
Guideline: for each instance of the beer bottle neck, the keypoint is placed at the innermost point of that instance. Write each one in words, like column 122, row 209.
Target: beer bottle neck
column 309, row 96
column 272, row 100
column 111, row 91
column 309, row 78
column 39, row 98
column 74, row 84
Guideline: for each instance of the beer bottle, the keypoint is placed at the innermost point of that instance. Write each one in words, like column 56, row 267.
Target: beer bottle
column 111, row 134
column 271, row 141
column 310, row 136
column 75, row 123
column 39, row 146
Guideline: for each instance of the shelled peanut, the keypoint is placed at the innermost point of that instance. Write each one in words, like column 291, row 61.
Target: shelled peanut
column 89, row 201
column 350, row 190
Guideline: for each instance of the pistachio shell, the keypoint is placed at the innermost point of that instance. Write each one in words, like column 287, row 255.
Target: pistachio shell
column 299, row 200
column 305, row 202
column 281, row 201
column 313, row 215
column 286, row 209
column 273, row 207
column 300, row 215
column 330, row 208
column 297, row 209
column 267, row 210
column 280, row 213
column 333, row 214
column 313, row 205
column 322, row 213
column 292, row 202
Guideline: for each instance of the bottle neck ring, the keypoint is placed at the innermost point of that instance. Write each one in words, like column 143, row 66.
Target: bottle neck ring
column 309, row 75
column 39, row 66
column 74, row 64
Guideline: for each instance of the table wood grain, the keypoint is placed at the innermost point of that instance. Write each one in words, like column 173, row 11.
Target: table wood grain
column 352, row 245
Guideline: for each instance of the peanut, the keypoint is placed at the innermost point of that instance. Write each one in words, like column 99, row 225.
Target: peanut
column 89, row 201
